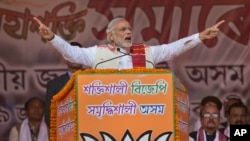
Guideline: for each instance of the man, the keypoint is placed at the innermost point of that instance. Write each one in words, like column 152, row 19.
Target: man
column 120, row 51
column 55, row 85
column 230, row 99
column 208, row 100
column 33, row 128
column 237, row 115
column 210, row 121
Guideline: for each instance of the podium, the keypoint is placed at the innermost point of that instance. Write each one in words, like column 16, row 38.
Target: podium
column 135, row 104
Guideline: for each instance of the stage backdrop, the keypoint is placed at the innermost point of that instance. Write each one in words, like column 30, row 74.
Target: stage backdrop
column 215, row 68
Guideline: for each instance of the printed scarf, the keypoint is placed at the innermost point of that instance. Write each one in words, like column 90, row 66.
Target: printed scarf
column 138, row 55
column 201, row 136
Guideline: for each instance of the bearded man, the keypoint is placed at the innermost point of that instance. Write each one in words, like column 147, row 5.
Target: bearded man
column 120, row 52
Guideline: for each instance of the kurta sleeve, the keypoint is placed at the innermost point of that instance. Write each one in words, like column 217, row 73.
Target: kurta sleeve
column 165, row 52
column 74, row 54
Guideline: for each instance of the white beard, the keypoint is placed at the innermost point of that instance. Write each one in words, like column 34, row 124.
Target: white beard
column 119, row 42
column 126, row 45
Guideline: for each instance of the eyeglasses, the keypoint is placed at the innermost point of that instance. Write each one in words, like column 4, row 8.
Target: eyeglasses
column 208, row 115
column 123, row 29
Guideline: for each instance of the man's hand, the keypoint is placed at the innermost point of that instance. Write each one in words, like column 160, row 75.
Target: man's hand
column 210, row 32
column 44, row 31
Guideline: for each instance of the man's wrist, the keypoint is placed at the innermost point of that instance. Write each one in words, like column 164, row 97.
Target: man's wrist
column 52, row 37
column 201, row 37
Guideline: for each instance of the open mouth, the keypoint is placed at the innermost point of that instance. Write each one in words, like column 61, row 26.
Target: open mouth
column 128, row 39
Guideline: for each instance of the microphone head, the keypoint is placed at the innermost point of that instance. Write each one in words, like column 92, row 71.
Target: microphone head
column 119, row 50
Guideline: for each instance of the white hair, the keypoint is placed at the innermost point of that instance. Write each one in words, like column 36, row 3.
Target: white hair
column 111, row 24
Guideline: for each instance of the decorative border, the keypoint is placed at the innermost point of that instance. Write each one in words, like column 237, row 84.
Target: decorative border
column 70, row 84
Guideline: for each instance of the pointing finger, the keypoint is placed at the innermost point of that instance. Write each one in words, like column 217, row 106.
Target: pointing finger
column 38, row 21
column 219, row 23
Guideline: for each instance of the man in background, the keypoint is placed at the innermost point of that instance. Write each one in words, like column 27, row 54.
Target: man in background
column 230, row 99
column 210, row 121
column 236, row 115
column 55, row 85
column 208, row 100
column 33, row 127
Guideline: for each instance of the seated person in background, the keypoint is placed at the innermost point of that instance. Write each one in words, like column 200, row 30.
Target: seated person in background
column 56, row 84
column 237, row 115
column 210, row 121
column 230, row 99
column 208, row 100
column 33, row 128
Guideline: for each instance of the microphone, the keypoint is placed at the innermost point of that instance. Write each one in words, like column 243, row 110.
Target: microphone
column 138, row 58
column 130, row 51
column 110, row 59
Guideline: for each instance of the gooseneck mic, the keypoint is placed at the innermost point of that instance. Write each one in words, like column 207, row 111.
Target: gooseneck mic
column 131, row 51
column 119, row 50
column 109, row 60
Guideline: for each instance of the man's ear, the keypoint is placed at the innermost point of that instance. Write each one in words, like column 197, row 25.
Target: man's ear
column 110, row 36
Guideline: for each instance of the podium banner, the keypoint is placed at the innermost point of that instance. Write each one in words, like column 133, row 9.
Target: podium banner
column 123, row 106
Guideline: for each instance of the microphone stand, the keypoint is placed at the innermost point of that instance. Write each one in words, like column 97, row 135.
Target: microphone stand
column 109, row 60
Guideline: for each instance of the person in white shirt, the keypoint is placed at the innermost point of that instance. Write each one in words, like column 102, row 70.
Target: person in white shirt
column 33, row 128
column 120, row 42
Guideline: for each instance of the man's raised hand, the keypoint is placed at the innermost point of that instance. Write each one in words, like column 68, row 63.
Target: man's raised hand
column 210, row 32
column 43, row 30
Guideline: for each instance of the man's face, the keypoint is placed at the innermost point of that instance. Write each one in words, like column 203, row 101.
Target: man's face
column 35, row 110
column 238, row 116
column 210, row 118
column 122, row 34
column 228, row 104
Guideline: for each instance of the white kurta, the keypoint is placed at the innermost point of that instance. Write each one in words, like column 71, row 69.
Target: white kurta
column 160, row 53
